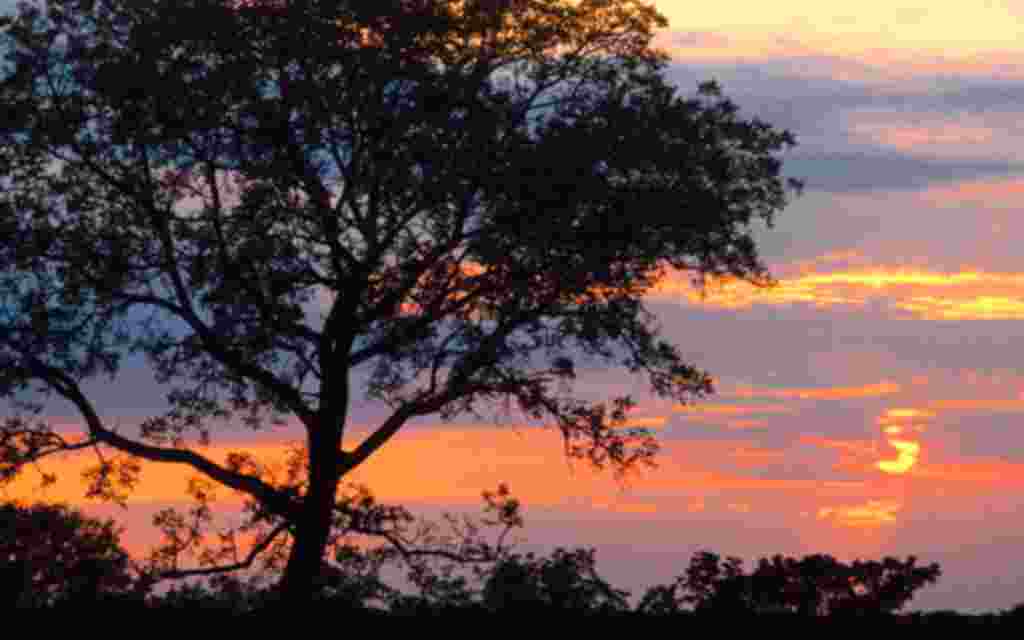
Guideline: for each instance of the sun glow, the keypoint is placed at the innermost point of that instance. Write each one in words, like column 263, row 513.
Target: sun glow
column 895, row 424
column 906, row 458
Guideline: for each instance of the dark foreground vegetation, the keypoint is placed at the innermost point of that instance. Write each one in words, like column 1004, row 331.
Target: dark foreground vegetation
column 54, row 557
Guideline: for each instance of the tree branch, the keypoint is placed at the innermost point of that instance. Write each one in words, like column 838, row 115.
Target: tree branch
column 273, row 499
column 250, row 558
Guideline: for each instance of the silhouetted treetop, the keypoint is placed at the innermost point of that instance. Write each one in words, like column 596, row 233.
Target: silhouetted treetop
column 815, row 585
column 51, row 554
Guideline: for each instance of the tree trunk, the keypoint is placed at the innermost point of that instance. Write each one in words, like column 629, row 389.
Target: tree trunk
column 302, row 578
column 303, row 575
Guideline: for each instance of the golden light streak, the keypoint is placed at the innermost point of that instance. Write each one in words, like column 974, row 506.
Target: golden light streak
column 873, row 513
column 963, row 295
column 892, row 415
column 979, row 308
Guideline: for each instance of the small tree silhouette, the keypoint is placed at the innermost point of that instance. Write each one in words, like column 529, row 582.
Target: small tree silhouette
column 52, row 554
column 566, row 581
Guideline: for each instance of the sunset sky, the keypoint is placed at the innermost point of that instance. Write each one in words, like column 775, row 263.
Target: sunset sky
column 868, row 405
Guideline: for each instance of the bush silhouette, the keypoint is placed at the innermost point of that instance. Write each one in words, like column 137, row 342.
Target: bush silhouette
column 53, row 555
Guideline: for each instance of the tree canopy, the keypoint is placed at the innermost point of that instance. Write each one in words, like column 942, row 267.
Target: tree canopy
column 444, row 206
column 567, row 581
column 51, row 554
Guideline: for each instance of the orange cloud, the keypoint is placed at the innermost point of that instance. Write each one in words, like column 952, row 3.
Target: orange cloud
column 742, row 425
column 451, row 464
column 944, row 133
column 988, row 406
column 832, row 393
column 989, row 474
column 992, row 192
column 852, row 447
column 753, row 456
column 845, row 255
column 646, row 422
column 730, row 410
column 696, row 505
column 937, row 134
column 622, row 506
column 854, row 43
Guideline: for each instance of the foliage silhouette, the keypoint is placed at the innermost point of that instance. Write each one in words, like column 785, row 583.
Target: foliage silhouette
column 448, row 206
column 565, row 582
column 815, row 585
column 53, row 555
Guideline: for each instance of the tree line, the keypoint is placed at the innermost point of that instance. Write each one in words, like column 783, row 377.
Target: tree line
column 52, row 556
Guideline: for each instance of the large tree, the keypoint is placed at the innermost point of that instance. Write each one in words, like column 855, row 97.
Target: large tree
column 441, row 205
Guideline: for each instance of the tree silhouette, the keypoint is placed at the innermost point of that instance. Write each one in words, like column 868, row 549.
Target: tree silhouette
column 815, row 585
column 885, row 586
column 51, row 554
column 566, row 582
column 445, row 206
